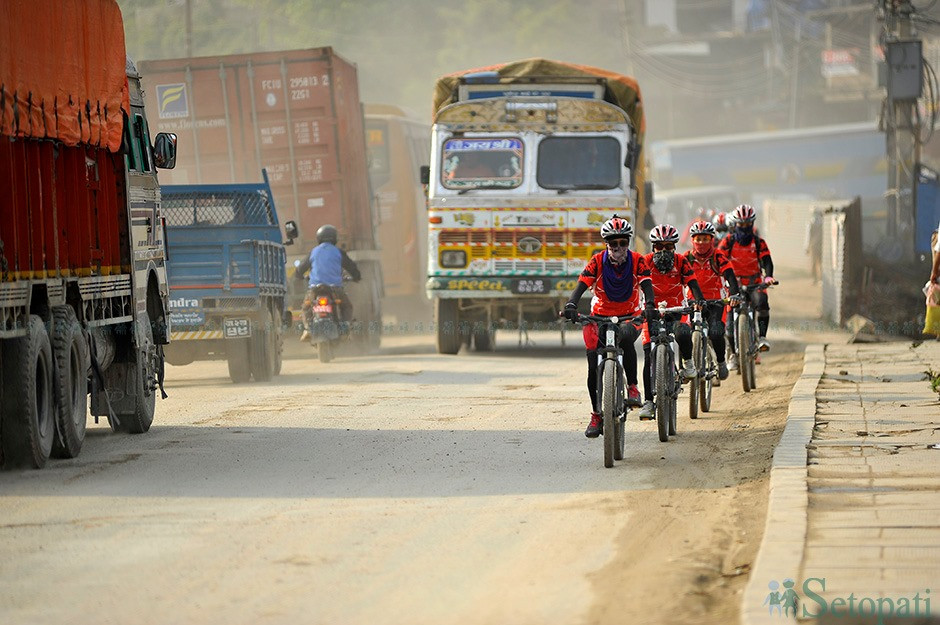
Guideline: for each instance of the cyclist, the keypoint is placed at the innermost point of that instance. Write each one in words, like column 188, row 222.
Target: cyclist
column 720, row 221
column 670, row 273
column 752, row 264
column 711, row 265
column 616, row 275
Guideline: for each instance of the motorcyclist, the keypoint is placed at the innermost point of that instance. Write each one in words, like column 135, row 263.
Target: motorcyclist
column 613, row 275
column 326, row 264
column 670, row 274
column 752, row 264
column 711, row 265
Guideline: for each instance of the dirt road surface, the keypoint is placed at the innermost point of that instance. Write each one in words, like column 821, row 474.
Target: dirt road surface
column 402, row 487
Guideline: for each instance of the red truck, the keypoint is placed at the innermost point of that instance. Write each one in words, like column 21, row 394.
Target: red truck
column 83, row 293
column 296, row 114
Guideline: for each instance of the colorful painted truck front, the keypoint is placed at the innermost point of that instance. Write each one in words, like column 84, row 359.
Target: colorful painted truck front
column 528, row 159
column 83, row 292
column 228, row 287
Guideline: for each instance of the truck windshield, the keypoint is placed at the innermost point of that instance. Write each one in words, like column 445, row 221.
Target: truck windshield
column 482, row 163
column 571, row 163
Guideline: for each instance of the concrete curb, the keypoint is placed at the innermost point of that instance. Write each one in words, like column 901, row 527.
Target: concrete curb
column 781, row 550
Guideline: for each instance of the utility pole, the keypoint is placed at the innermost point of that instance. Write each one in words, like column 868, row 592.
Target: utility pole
column 904, row 82
column 189, row 28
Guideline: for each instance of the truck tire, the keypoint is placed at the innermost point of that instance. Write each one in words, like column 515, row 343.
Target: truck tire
column 236, row 352
column 28, row 408
column 484, row 339
column 449, row 339
column 135, row 414
column 261, row 348
column 278, row 321
column 70, row 382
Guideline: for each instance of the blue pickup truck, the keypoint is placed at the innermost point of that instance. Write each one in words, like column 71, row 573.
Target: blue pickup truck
column 227, row 277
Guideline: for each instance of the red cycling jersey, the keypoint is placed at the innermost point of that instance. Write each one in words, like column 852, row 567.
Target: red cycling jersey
column 669, row 287
column 745, row 259
column 708, row 272
column 593, row 276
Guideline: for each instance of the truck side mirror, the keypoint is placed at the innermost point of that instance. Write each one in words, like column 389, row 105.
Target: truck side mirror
column 648, row 192
column 424, row 174
column 290, row 229
column 164, row 150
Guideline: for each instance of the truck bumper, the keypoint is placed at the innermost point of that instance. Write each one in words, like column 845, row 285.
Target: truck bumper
column 450, row 287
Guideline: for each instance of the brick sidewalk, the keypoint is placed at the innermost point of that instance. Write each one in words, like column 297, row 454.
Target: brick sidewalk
column 868, row 499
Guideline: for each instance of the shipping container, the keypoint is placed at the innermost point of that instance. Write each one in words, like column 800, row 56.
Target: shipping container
column 296, row 114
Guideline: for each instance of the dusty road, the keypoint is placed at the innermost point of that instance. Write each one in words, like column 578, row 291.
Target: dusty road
column 404, row 487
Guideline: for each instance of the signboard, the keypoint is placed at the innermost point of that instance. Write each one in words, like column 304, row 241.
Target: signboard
column 838, row 62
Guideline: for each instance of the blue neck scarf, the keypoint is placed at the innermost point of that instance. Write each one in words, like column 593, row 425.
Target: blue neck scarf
column 618, row 280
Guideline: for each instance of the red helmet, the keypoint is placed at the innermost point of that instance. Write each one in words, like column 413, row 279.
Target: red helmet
column 702, row 227
column 664, row 233
column 744, row 214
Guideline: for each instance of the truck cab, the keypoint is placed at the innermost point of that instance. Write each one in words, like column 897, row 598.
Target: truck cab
column 522, row 175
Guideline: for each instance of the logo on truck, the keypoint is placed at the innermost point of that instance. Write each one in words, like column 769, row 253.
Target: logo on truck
column 172, row 101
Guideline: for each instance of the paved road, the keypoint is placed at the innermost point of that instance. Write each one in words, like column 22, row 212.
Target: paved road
column 406, row 487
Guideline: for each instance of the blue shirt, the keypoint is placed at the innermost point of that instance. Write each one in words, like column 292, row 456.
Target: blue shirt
column 326, row 265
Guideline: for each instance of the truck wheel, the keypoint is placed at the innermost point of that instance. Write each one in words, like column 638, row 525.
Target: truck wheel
column 72, row 362
column 261, row 348
column 139, row 380
column 278, row 334
column 374, row 331
column 236, row 352
column 484, row 340
column 449, row 338
column 28, row 408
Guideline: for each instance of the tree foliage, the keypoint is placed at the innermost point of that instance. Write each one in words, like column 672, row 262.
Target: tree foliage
column 399, row 46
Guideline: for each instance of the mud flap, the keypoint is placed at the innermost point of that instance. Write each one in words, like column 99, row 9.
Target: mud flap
column 161, row 371
column 100, row 388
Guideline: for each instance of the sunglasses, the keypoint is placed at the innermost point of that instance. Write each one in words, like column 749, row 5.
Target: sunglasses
column 664, row 246
column 617, row 243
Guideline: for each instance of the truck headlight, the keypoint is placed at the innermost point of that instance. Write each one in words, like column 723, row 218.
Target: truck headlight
column 453, row 259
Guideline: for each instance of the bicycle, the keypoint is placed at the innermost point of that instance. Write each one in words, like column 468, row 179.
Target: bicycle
column 611, row 382
column 667, row 383
column 745, row 334
column 706, row 364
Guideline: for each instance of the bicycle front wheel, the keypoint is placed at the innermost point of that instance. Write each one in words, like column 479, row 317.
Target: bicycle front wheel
column 609, row 411
column 694, row 382
column 706, row 381
column 743, row 332
column 664, row 382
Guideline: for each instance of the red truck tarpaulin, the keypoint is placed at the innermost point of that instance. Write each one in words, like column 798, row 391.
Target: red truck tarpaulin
column 63, row 71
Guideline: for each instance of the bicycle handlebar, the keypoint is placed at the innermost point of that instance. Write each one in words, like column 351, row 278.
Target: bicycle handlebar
column 586, row 319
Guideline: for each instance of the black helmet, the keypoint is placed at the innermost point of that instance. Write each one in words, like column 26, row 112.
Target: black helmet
column 327, row 233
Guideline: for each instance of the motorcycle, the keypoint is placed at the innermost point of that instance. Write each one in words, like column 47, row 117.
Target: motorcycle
column 322, row 322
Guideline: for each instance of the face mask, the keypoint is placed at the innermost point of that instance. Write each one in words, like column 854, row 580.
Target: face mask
column 616, row 255
column 664, row 260
column 702, row 249
column 743, row 234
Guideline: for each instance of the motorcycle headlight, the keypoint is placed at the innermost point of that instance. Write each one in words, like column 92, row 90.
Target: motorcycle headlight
column 453, row 259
